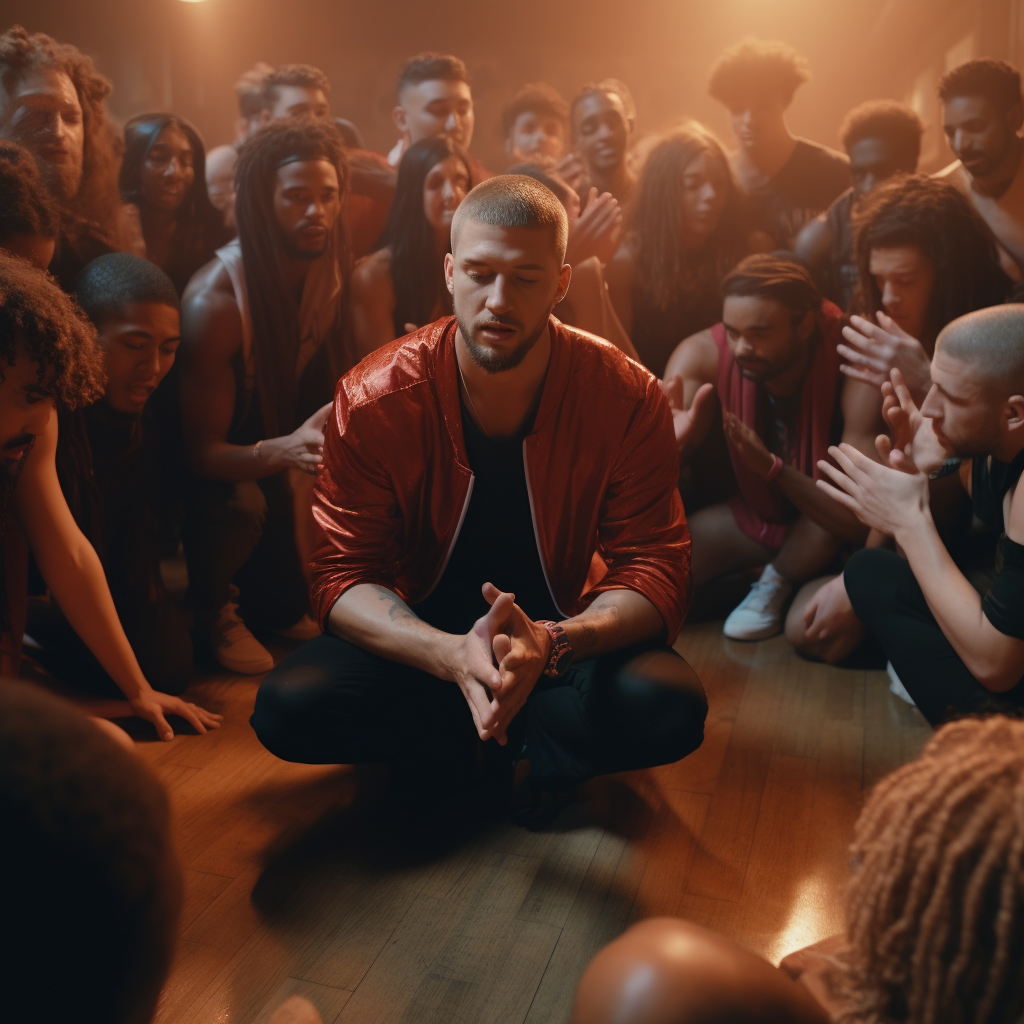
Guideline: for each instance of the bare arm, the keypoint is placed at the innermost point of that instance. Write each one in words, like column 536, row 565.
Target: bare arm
column 211, row 329
column 614, row 619
column 73, row 572
column 689, row 387
column 814, row 242
column 618, row 275
column 373, row 303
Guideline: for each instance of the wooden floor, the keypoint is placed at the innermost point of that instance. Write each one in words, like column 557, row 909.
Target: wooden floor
column 306, row 880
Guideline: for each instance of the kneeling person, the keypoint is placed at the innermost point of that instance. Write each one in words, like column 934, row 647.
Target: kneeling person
column 774, row 363
column 472, row 472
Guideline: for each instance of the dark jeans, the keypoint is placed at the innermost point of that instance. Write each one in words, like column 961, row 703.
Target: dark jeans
column 889, row 602
column 156, row 631
column 334, row 703
column 244, row 534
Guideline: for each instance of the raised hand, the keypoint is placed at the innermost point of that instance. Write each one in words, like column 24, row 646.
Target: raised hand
column 572, row 170
column 597, row 231
column 690, row 425
column 748, row 444
column 876, row 349
column 303, row 448
column 914, row 447
column 153, row 706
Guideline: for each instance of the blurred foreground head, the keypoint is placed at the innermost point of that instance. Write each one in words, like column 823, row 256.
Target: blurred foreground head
column 93, row 887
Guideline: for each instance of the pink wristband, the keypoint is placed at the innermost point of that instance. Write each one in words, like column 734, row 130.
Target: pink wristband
column 776, row 469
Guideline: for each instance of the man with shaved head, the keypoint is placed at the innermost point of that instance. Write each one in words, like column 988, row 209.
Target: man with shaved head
column 503, row 553
column 955, row 651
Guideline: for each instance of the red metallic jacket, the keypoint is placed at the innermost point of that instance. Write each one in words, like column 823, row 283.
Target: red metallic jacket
column 601, row 469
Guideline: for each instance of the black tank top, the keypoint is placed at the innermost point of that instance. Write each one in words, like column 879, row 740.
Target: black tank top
column 990, row 480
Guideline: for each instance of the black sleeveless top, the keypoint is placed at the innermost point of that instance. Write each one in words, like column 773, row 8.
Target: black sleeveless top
column 990, row 480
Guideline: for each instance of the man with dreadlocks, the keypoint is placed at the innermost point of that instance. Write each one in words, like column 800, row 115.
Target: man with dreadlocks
column 49, row 357
column 53, row 102
column 934, row 915
column 261, row 352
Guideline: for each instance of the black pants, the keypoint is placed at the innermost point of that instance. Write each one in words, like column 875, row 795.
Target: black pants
column 244, row 534
column 889, row 602
column 334, row 703
column 156, row 631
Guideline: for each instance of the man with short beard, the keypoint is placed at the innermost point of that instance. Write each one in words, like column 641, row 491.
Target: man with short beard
column 262, row 347
column 502, row 550
column 982, row 112
column 956, row 652
column 53, row 102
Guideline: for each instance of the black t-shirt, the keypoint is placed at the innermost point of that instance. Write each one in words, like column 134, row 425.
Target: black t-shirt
column 840, row 270
column 497, row 543
column 808, row 183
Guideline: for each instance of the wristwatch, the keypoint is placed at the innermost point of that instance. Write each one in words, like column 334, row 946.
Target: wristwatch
column 561, row 650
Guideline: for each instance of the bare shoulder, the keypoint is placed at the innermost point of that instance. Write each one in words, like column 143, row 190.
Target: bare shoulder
column 814, row 241
column 209, row 311
column 695, row 359
column 371, row 276
column 862, row 406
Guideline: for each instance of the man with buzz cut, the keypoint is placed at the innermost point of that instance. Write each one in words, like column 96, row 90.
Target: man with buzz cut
column 503, row 553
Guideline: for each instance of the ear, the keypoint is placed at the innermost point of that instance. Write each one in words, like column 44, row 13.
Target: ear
column 1015, row 117
column 449, row 272
column 401, row 121
column 1013, row 412
column 806, row 326
column 564, row 277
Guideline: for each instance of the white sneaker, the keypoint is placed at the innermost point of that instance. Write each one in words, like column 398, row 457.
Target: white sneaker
column 234, row 647
column 304, row 629
column 761, row 613
column 896, row 686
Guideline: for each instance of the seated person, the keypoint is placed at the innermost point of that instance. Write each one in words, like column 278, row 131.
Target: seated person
column 774, row 363
column 52, row 359
column 400, row 287
column 87, row 833
column 982, row 115
column 689, row 225
column 789, row 180
column 587, row 304
column 602, row 120
column 934, row 911
column 882, row 138
column 110, row 467
column 262, row 348
column 924, row 258
column 955, row 652
column 503, row 552
column 29, row 215
column 536, row 126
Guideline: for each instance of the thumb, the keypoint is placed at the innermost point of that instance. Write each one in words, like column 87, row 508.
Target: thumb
column 701, row 399
column 810, row 611
column 501, row 645
column 163, row 729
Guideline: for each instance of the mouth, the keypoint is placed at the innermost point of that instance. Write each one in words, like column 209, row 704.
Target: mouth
column 17, row 451
column 313, row 235
column 141, row 392
column 495, row 333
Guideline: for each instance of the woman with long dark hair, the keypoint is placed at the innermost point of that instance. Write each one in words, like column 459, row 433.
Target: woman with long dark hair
column 402, row 283
column 688, row 227
column 163, row 175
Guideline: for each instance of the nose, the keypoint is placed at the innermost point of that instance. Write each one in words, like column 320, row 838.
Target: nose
column 891, row 298
column 929, row 407
column 708, row 194
column 173, row 168
column 150, row 361
column 498, row 298
column 453, row 122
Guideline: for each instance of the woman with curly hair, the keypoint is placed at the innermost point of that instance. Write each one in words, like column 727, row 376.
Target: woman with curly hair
column 53, row 102
column 163, row 176
column 49, row 358
column 934, row 915
column 687, row 229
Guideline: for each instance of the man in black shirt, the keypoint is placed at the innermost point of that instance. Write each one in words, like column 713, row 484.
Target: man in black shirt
column 882, row 138
column 956, row 652
column 789, row 180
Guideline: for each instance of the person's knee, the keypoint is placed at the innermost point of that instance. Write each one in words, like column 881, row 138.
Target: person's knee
column 871, row 577
column 276, row 716
column 664, row 693
column 670, row 970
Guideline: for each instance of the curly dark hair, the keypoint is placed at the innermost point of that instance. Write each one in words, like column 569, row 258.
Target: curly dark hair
column 98, row 198
column 935, row 217
column 896, row 123
column 755, row 66
column 87, row 834
column 26, row 207
column 36, row 317
column 538, row 98
column 416, row 272
column 200, row 230
column 275, row 313
column 994, row 79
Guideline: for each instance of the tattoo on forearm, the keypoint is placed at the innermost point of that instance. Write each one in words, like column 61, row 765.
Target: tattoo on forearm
column 397, row 609
column 586, row 642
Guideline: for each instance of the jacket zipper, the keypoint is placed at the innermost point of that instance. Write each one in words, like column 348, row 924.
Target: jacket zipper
column 536, row 535
column 458, row 530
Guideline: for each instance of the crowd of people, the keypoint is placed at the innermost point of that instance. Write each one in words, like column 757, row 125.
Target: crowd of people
column 435, row 425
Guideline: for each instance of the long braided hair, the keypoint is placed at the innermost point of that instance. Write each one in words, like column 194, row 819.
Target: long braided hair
column 935, row 910
column 275, row 313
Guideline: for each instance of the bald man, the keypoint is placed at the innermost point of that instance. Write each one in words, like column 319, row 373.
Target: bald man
column 956, row 652
column 666, row 971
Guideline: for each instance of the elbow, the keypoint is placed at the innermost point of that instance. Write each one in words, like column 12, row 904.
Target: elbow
column 998, row 678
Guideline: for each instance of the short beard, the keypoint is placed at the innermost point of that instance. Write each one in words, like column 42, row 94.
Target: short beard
column 61, row 182
column 295, row 252
column 491, row 363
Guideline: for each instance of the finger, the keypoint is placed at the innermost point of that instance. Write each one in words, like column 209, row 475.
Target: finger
column 210, row 720
column 890, row 325
column 861, row 359
column 838, row 478
column 841, row 497
column 188, row 712
column 703, row 396
column 490, row 592
column 857, row 335
column 502, row 647
column 883, row 446
column 809, row 613
column 854, row 463
column 163, row 729
column 867, row 376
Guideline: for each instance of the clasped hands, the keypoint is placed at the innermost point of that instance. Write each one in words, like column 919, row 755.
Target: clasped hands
column 892, row 494
column 498, row 662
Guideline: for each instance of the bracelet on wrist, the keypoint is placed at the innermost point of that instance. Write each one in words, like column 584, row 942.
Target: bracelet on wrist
column 256, row 451
column 777, row 466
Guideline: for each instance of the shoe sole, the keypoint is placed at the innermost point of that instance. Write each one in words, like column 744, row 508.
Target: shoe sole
column 244, row 670
column 753, row 637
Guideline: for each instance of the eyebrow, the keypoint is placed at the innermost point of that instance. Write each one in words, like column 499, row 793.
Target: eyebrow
column 518, row 266
column 752, row 327
column 948, row 394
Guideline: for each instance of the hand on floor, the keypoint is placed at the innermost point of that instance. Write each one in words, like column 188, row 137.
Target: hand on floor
column 295, row 1010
